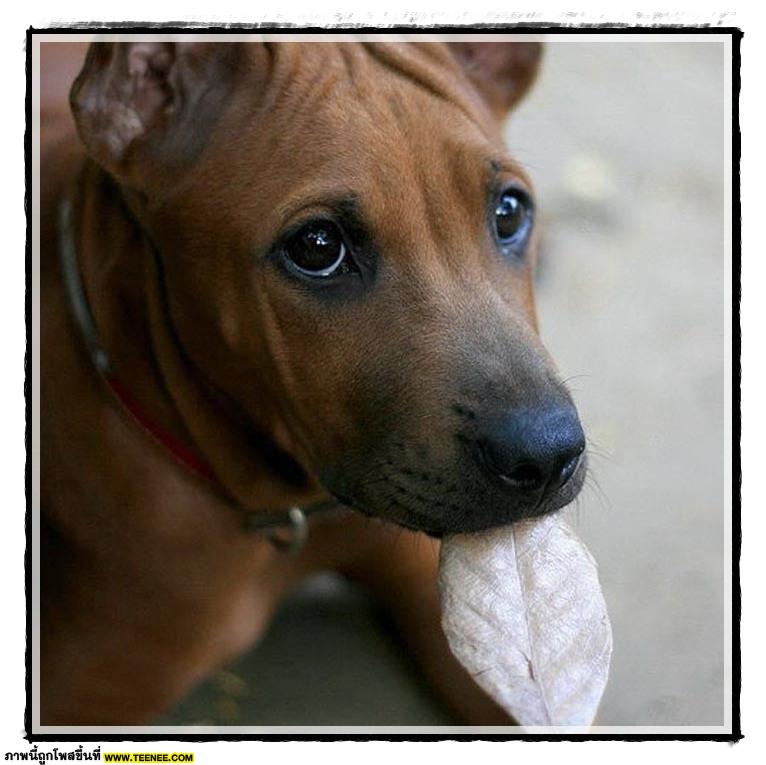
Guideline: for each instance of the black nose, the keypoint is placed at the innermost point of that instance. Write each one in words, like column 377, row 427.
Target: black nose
column 533, row 449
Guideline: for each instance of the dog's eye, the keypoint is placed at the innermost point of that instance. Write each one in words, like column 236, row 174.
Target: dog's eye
column 318, row 249
column 512, row 216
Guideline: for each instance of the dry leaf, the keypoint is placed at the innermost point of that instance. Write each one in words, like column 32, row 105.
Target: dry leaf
column 523, row 611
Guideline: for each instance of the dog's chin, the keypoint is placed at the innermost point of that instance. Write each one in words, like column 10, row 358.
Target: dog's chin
column 481, row 512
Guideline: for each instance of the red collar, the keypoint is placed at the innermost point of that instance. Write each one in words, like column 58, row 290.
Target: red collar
column 189, row 457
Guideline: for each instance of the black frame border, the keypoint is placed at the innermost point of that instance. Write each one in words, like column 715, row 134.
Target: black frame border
column 180, row 27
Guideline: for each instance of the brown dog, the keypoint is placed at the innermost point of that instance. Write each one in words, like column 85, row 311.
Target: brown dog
column 309, row 267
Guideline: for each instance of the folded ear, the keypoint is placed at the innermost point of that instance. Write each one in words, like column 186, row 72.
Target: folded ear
column 501, row 71
column 149, row 105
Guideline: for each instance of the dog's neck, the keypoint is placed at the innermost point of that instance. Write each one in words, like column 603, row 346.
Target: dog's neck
column 125, row 290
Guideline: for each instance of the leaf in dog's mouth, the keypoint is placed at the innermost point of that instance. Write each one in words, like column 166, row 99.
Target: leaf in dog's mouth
column 523, row 611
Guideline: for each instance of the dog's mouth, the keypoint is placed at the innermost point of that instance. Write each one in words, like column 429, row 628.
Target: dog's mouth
column 432, row 504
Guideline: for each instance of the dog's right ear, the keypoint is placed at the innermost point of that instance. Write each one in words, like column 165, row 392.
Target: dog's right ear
column 502, row 72
column 148, row 107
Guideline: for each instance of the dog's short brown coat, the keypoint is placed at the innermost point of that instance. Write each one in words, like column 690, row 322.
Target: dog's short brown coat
column 187, row 162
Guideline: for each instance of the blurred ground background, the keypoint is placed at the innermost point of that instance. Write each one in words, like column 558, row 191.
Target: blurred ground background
column 625, row 142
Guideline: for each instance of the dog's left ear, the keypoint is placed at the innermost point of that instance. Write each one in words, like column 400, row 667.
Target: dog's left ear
column 144, row 109
column 502, row 72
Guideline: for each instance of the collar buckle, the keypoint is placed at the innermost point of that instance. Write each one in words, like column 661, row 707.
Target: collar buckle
column 296, row 529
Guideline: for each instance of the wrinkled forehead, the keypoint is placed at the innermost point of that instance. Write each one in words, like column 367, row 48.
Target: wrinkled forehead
column 361, row 106
column 380, row 76
column 383, row 124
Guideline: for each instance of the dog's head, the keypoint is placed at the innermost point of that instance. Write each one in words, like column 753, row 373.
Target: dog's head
column 347, row 252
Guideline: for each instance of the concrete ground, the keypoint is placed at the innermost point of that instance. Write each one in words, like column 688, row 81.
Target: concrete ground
column 625, row 142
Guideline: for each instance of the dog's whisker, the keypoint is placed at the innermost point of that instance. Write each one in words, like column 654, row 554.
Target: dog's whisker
column 573, row 513
column 591, row 482
column 592, row 443
column 596, row 454
column 566, row 380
